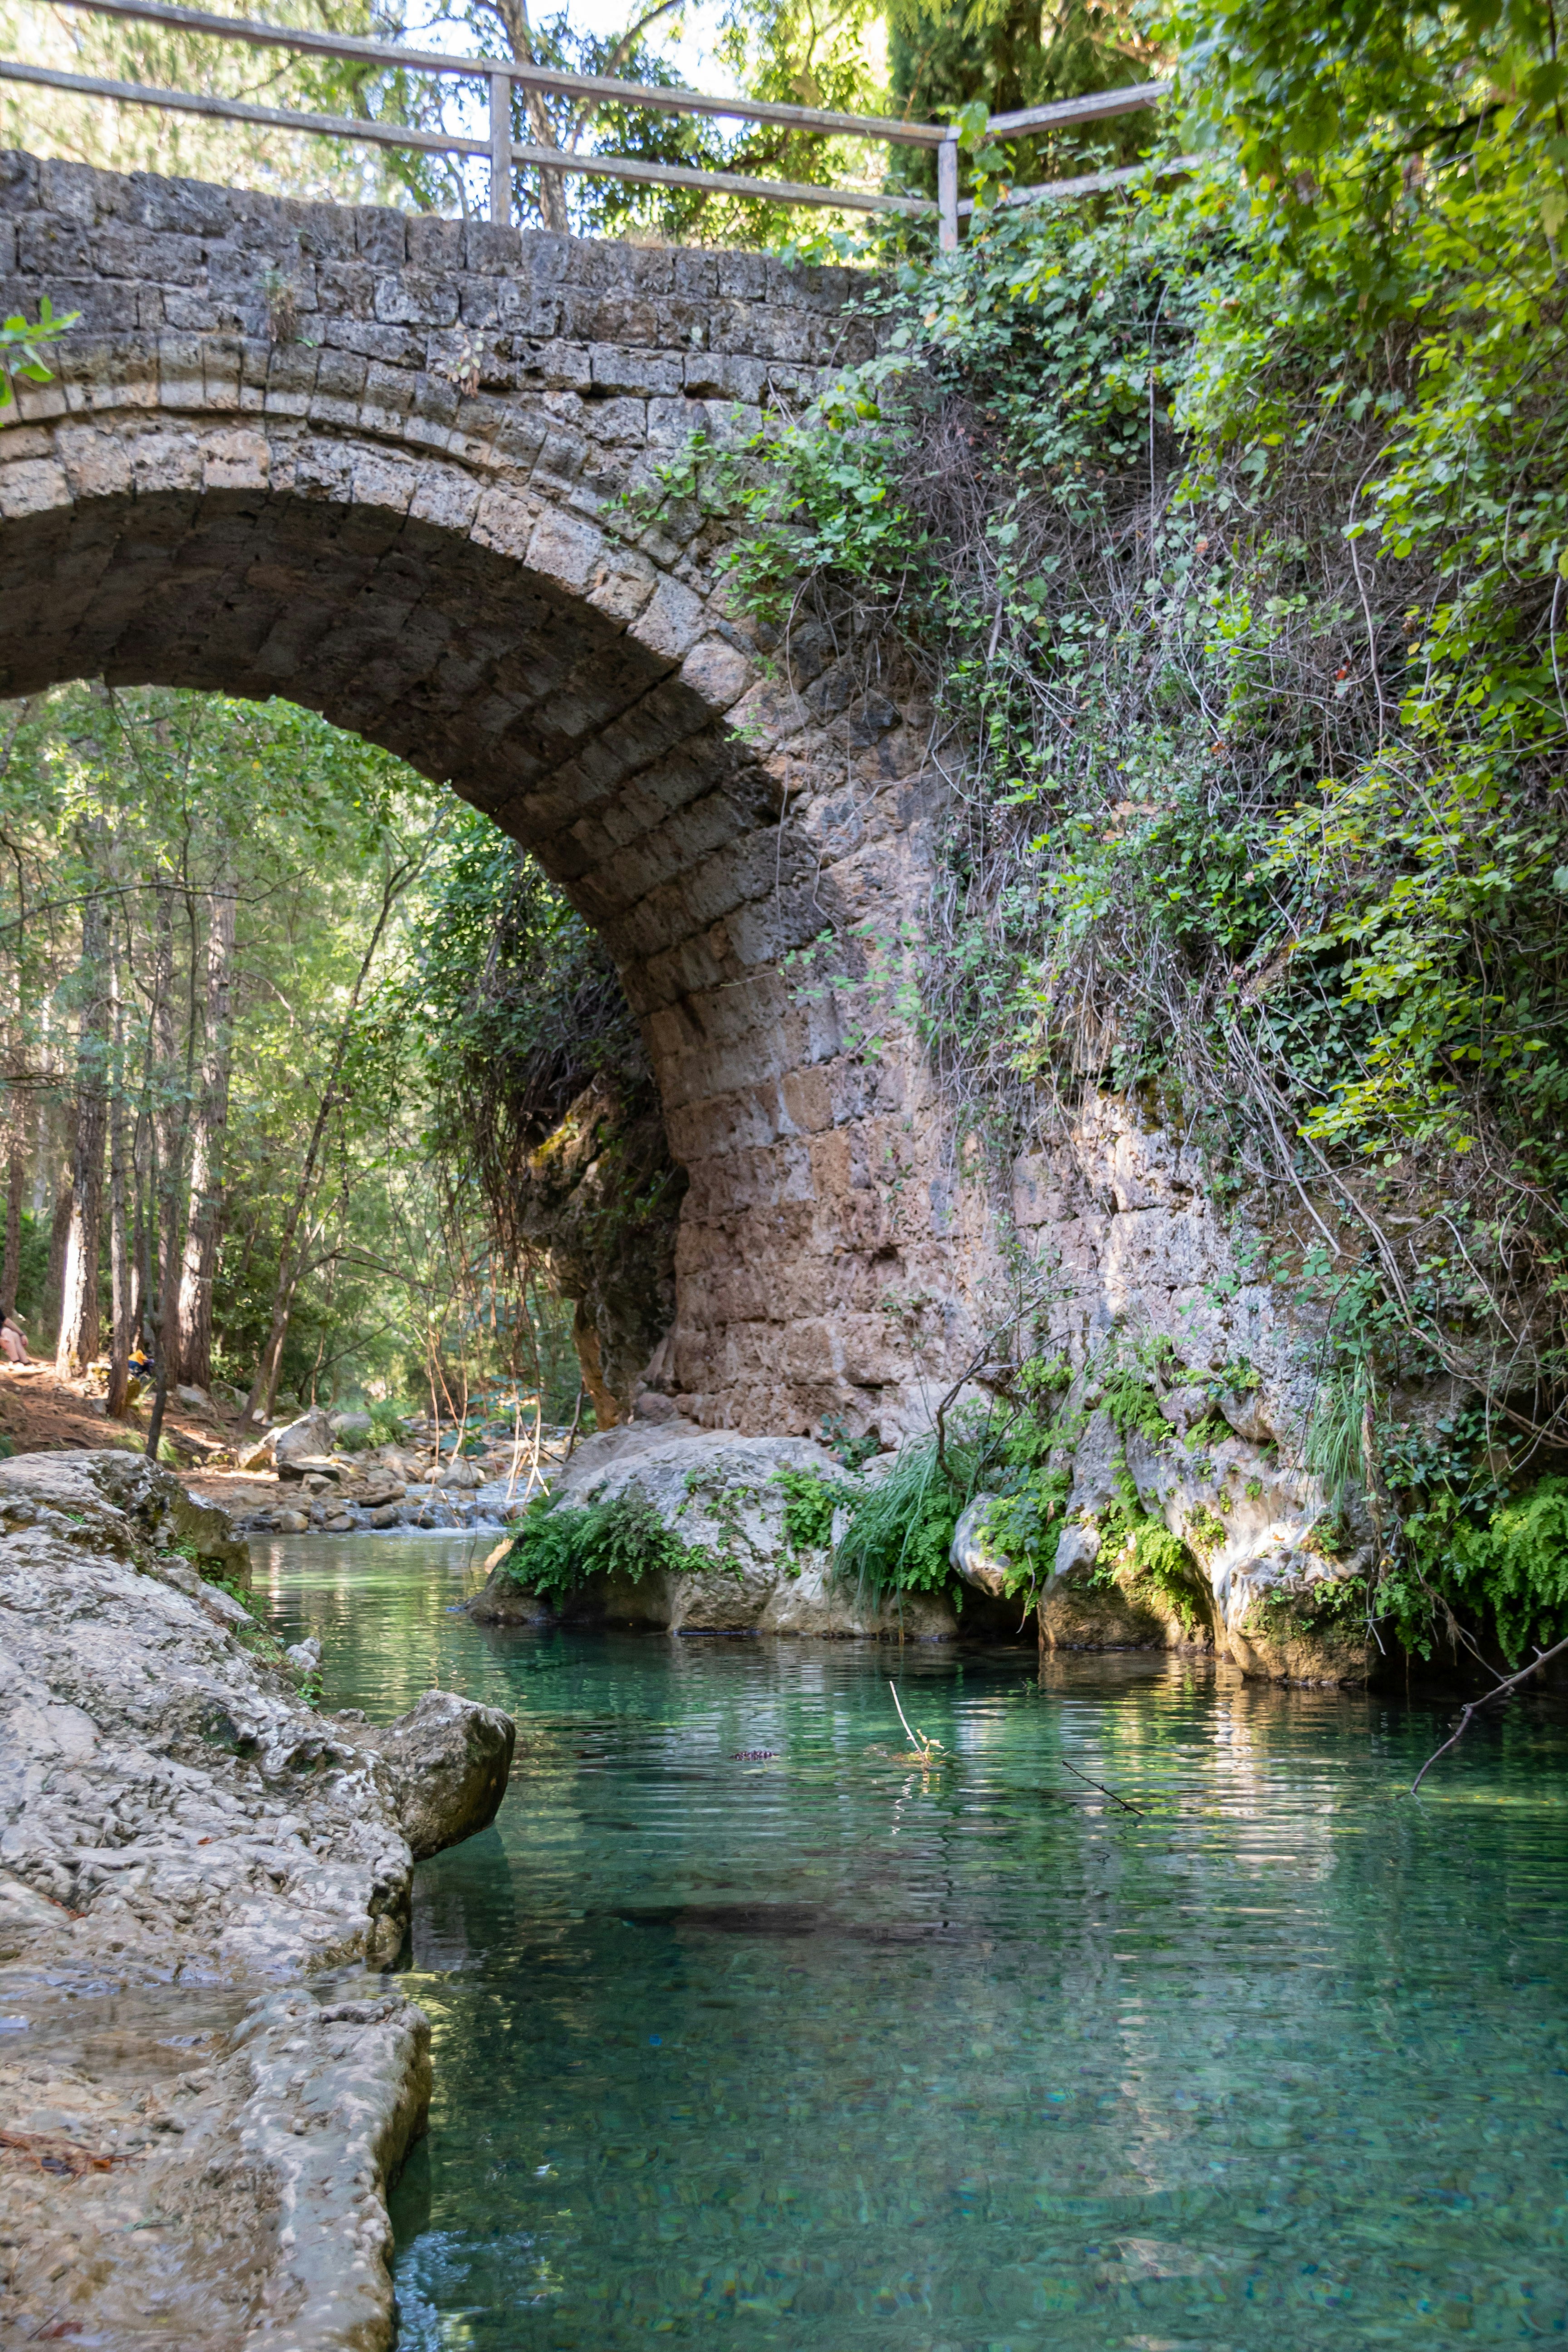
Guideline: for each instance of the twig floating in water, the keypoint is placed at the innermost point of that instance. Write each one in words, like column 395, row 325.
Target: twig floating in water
column 1104, row 1791
column 927, row 1750
column 1542, row 1658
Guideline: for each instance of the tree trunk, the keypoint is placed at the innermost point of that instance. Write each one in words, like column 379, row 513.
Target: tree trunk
column 80, row 1325
column 551, row 189
column 193, row 1315
column 60, row 1227
column 16, row 1185
column 163, row 1193
column 122, row 1287
column 15, row 1174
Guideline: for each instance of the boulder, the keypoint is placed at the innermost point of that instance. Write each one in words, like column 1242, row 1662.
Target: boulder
column 197, row 1399
column 462, row 1474
column 354, row 1429
column 718, row 1494
column 259, row 1456
column 450, row 1760
column 382, row 1515
column 975, row 1557
column 307, row 1440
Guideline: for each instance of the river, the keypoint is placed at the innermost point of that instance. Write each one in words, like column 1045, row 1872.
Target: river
column 810, row 2050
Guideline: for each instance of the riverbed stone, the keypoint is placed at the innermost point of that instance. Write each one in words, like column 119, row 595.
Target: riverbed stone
column 305, row 1442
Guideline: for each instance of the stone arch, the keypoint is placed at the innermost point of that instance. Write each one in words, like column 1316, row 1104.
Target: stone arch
column 355, row 523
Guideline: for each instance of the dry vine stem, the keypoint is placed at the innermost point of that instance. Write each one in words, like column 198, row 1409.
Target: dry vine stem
column 926, row 1751
column 1542, row 1658
column 1135, row 1810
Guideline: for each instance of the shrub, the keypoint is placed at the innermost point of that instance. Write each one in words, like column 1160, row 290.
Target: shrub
column 899, row 1535
column 1513, row 1564
column 559, row 1546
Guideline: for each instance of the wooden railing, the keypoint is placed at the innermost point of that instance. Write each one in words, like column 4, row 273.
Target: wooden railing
column 500, row 75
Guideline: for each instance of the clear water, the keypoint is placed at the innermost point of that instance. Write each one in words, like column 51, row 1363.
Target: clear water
column 820, row 2053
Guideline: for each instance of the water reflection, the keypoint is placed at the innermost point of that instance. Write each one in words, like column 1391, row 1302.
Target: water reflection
column 823, row 2053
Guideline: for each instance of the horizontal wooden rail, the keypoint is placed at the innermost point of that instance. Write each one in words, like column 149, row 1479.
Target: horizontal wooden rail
column 1076, row 110
column 238, row 110
column 398, row 134
column 1087, row 185
column 500, row 75
column 603, row 89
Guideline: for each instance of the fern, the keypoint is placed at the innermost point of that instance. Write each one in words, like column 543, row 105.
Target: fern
column 560, row 1546
column 1518, row 1565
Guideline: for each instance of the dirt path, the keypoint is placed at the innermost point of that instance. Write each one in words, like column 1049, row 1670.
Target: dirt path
column 42, row 1414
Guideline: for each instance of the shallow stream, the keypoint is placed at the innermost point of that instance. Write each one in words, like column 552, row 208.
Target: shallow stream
column 813, row 2051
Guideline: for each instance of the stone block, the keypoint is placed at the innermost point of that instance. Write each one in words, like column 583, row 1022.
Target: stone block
column 31, row 487
column 565, row 550
column 238, row 459
column 672, row 621
column 415, row 297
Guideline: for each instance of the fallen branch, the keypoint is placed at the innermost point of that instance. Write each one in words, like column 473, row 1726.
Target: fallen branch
column 925, row 1751
column 1104, row 1791
column 1542, row 1658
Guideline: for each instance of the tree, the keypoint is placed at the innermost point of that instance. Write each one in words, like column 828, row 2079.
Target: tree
column 193, row 1349
column 79, row 1331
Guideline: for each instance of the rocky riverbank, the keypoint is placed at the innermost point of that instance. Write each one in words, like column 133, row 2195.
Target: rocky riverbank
column 304, row 1475
column 207, row 2082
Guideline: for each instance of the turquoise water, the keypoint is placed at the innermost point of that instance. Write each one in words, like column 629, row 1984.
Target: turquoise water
column 819, row 2053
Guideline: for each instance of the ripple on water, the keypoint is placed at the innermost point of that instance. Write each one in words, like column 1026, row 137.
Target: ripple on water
column 811, row 2051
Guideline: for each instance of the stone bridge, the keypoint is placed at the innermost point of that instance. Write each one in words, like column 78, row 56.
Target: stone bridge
column 370, row 462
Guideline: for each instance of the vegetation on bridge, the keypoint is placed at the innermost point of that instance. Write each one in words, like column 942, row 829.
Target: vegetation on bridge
column 1229, row 523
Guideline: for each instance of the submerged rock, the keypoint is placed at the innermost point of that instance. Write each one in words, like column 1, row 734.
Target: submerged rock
column 174, row 1814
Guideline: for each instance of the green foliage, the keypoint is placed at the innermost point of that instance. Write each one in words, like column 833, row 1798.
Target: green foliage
column 1139, row 1554
column 560, row 1546
column 810, row 1506
column 1130, row 1403
column 1024, row 1526
column 1507, row 1562
column 900, row 1527
column 1230, row 524
column 849, row 1450
column 22, row 349
column 947, row 60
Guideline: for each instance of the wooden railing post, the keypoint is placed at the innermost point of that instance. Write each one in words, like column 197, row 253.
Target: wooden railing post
column 500, row 147
column 947, row 191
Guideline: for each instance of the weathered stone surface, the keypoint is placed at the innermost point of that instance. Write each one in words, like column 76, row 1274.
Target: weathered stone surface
column 974, row 1554
column 250, row 2144
column 450, row 1760
column 454, row 575
column 304, row 1444
column 178, row 1827
column 449, row 573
